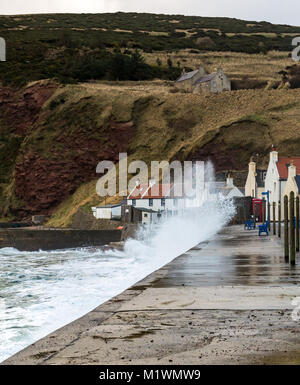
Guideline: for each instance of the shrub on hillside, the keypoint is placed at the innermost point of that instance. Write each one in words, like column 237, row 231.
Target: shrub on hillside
column 295, row 81
column 205, row 43
column 113, row 66
column 294, row 76
column 291, row 75
column 128, row 67
column 246, row 84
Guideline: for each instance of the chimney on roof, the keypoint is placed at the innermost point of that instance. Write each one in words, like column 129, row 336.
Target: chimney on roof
column 252, row 165
column 273, row 155
column 229, row 181
column 202, row 71
column 250, row 187
column 292, row 170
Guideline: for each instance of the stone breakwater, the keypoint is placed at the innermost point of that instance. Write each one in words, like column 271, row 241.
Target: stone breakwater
column 34, row 240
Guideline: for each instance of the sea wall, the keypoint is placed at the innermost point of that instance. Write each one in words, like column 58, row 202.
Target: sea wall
column 243, row 212
column 34, row 240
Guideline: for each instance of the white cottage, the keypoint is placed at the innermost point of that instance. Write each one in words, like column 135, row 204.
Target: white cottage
column 157, row 197
column 293, row 181
column 255, row 184
column 108, row 212
column 148, row 216
column 277, row 175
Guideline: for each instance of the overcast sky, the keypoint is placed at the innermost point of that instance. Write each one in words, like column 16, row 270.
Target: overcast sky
column 275, row 11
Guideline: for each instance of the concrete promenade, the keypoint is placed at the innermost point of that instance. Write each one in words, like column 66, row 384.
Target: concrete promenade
column 227, row 301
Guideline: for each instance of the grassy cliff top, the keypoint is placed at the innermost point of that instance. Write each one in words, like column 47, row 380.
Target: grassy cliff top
column 65, row 46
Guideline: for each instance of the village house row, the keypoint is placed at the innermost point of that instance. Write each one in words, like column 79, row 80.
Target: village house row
column 143, row 206
column 281, row 178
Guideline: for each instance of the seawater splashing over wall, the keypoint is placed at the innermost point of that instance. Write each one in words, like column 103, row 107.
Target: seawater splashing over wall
column 42, row 291
column 204, row 216
column 175, row 235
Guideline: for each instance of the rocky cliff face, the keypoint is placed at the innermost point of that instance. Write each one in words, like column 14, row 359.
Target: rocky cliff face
column 43, row 182
column 21, row 108
column 50, row 160
column 52, row 137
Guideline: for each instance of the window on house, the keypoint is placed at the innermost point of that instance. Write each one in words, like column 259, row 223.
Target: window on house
column 274, row 187
column 150, row 202
column 146, row 215
column 133, row 202
column 163, row 202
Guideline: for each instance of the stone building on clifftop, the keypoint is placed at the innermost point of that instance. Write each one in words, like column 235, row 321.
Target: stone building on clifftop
column 199, row 81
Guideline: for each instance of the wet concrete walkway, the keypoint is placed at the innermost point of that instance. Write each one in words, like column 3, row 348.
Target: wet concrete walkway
column 227, row 301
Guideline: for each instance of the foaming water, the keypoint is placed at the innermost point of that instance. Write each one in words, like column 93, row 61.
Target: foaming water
column 42, row 291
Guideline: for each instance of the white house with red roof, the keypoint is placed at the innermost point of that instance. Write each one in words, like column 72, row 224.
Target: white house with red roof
column 171, row 197
column 277, row 175
column 156, row 197
column 293, row 181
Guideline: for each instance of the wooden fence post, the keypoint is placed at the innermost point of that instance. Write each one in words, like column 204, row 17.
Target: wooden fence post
column 279, row 219
column 286, row 228
column 274, row 218
column 292, row 229
column 297, row 224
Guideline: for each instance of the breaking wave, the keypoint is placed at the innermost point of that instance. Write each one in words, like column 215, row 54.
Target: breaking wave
column 42, row 291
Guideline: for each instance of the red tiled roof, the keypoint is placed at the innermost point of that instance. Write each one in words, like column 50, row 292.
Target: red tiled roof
column 283, row 165
column 157, row 191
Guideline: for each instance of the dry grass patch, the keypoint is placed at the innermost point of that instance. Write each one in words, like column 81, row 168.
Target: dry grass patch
column 157, row 33
column 265, row 34
column 187, row 32
column 264, row 67
column 212, row 29
column 289, row 34
column 131, row 88
column 123, row 30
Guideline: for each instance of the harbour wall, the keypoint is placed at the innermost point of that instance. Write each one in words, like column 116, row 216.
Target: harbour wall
column 34, row 240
